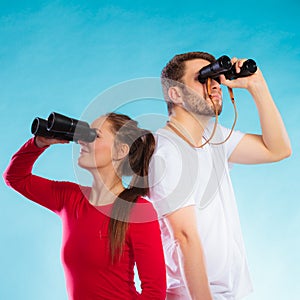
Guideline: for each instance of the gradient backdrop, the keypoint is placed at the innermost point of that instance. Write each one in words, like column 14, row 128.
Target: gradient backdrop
column 59, row 55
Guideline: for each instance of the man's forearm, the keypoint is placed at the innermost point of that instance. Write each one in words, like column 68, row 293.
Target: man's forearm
column 193, row 264
column 274, row 134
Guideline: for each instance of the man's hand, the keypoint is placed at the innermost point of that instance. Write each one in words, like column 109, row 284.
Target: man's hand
column 250, row 83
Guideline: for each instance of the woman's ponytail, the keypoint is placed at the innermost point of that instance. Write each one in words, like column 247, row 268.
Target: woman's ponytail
column 141, row 144
column 139, row 160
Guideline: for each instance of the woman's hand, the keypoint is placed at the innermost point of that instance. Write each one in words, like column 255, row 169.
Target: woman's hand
column 42, row 142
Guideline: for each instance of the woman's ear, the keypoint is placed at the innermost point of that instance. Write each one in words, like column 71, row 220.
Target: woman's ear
column 175, row 95
column 121, row 151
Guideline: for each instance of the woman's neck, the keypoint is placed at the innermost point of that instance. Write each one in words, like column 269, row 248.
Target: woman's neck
column 105, row 188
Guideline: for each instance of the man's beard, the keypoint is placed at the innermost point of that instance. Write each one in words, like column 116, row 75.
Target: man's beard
column 197, row 104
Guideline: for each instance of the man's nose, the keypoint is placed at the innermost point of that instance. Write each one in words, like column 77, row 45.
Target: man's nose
column 215, row 85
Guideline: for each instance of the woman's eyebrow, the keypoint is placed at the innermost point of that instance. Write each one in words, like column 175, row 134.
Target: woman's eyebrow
column 99, row 130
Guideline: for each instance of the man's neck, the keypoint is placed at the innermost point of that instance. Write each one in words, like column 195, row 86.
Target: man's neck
column 190, row 125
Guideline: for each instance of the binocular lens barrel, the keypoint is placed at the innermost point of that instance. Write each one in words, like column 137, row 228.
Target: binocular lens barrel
column 39, row 127
column 62, row 127
column 224, row 66
column 248, row 68
column 83, row 132
column 221, row 65
column 58, row 122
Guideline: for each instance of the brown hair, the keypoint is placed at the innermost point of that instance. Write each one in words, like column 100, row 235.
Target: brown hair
column 174, row 70
column 136, row 164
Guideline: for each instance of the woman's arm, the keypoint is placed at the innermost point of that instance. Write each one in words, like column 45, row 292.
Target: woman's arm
column 19, row 177
column 148, row 253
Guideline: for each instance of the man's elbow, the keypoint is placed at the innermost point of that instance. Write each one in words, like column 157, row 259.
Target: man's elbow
column 287, row 153
column 184, row 238
column 283, row 154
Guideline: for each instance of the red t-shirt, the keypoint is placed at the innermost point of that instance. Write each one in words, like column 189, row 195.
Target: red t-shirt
column 85, row 246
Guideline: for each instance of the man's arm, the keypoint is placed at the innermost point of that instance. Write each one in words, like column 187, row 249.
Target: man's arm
column 273, row 144
column 184, row 227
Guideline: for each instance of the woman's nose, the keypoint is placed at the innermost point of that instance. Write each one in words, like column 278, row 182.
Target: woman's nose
column 81, row 143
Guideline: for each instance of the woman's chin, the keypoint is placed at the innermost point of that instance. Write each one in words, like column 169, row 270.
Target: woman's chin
column 85, row 165
column 81, row 164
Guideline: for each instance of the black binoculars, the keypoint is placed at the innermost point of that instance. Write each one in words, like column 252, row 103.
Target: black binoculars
column 224, row 66
column 64, row 128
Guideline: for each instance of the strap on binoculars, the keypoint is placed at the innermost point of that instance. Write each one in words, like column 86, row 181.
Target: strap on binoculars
column 230, row 91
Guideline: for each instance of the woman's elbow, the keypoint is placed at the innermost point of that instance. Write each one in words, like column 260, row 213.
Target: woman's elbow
column 12, row 181
column 7, row 179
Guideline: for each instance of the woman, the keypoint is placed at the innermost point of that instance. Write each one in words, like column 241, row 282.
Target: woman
column 107, row 228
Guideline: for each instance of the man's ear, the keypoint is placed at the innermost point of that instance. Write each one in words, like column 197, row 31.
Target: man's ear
column 121, row 151
column 175, row 94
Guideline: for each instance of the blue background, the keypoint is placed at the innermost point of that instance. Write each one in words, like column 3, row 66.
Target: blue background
column 59, row 55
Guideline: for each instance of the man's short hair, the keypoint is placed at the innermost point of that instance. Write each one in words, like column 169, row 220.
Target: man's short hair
column 174, row 70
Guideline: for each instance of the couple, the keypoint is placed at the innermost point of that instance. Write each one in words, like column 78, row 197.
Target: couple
column 190, row 246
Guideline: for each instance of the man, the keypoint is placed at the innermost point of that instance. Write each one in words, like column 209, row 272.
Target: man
column 190, row 183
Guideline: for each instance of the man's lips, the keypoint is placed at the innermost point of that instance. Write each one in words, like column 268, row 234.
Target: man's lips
column 216, row 96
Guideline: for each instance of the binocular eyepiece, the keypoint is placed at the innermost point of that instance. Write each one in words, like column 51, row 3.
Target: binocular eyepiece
column 224, row 66
column 62, row 127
